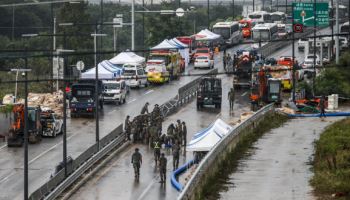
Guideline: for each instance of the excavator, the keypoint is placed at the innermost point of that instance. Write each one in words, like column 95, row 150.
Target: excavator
column 16, row 132
column 264, row 89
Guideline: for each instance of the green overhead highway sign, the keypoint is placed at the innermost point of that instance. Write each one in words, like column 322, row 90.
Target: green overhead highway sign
column 304, row 14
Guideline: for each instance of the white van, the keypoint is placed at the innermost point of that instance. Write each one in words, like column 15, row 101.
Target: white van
column 115, row 91
column 134, row 75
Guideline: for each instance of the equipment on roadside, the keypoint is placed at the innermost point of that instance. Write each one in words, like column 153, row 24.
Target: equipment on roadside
column 264, row 89
column 16, row 132
column 51, row 123
column 209, row 92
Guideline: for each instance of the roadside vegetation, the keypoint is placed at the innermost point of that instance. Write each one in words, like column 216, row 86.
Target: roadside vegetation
column 332, row 162
column 334, row 79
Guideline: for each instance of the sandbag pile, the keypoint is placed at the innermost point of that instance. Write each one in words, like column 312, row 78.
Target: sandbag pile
column 51, row 101
column 286, row 110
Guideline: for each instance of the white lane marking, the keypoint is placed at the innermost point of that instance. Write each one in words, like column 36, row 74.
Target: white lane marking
column 34, row 159
column 131, row 101
column 244, row 94
column 43, row 153
column 153, row 181
column 3, row 147
column 112, row 111
column 149, row 91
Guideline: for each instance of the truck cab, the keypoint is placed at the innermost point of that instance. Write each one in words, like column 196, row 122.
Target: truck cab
column 82, row 101
column 209, row 92
column 115, row 91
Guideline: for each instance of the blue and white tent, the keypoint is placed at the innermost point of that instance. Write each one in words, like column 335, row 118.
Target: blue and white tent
column 106, row 70
column 206, row 139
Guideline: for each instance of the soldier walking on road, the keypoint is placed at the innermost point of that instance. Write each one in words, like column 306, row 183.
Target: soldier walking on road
column 322, row 107
column 156, row 146
column 179, row 131
column 145, row 109
column 184, row 135
column 176, row 155
column 136, row 160
column 127, row 127
column 162, row 168
column 231, row 98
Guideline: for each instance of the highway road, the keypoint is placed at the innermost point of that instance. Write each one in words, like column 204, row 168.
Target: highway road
column 116, row 179
column 44, row 157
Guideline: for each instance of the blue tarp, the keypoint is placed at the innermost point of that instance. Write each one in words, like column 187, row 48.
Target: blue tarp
column 337, row 114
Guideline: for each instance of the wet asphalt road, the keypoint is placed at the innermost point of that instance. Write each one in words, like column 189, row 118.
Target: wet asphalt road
column 81, row 134
column 116, row 180
column 44, row 157
column 278, row 165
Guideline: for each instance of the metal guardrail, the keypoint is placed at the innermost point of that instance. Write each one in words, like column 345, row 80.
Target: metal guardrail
column 271, row 47
column 208, row 161
column 58, row 183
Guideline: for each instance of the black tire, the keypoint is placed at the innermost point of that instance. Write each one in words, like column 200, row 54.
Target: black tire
column 54, row 133
column 124, row 100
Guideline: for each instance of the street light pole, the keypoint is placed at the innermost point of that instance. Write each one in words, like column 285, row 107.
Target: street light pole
column 133, row 25
column 208, row 13
column 293, row 56
column 314, row 48
column 26, row 129
column 233, row 9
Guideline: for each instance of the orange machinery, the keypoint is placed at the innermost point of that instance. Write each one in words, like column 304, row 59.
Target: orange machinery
column 16, row 132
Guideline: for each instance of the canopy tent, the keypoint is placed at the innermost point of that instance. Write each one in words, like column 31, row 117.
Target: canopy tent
column 184, row 51
column 167, row 44
column 207, row 138
column 206, row 35
column 127, row 57
column 106, row 70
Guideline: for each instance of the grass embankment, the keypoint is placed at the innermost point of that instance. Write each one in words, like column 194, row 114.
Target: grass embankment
column 332, row 162
column 220, row 180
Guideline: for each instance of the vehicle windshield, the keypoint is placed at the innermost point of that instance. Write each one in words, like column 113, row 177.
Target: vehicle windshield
column 210, row 85
column 154, row 68
column 281, row 30
column 311, row 57
column 261, row 35
column 254, row 16
column 274, row 87
column 275, row 17
column 129, row 72
column 309, row 62
column 202, row 51
column 344, row 29
column 224, row 32
column 112, row 86
column 202, row 58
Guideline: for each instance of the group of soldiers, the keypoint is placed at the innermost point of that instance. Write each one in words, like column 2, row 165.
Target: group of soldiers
column 147, row 128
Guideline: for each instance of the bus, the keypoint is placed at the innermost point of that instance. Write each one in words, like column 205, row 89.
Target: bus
column 264, row 32
column 229, row 31
column 278, row 17
column 246, row 27
column 260, row 17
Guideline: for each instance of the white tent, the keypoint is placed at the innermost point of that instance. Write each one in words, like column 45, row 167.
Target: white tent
column 103, row 73
column 106, row 70
column 206, row 35
column 207, row 138
column 166, row 44
column 127, row 57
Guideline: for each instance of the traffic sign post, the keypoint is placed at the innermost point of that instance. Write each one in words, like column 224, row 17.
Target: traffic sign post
column 304, row 14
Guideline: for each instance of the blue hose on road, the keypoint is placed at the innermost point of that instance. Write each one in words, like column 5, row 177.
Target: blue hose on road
column 336, row 114
column 177, row 172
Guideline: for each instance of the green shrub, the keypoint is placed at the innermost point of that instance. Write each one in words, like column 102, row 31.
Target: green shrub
column 332, row 160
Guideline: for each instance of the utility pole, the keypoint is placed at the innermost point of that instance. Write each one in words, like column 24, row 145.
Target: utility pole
column 286, row 6
column 65, row 64
column 133, row 25
column 26, row 129
column 208, row 14
column 143, row 27
column 253, row 5
column 337, row 29
column 293, row 56
column 332, row 26
column 233, row 9
column 314, row 48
